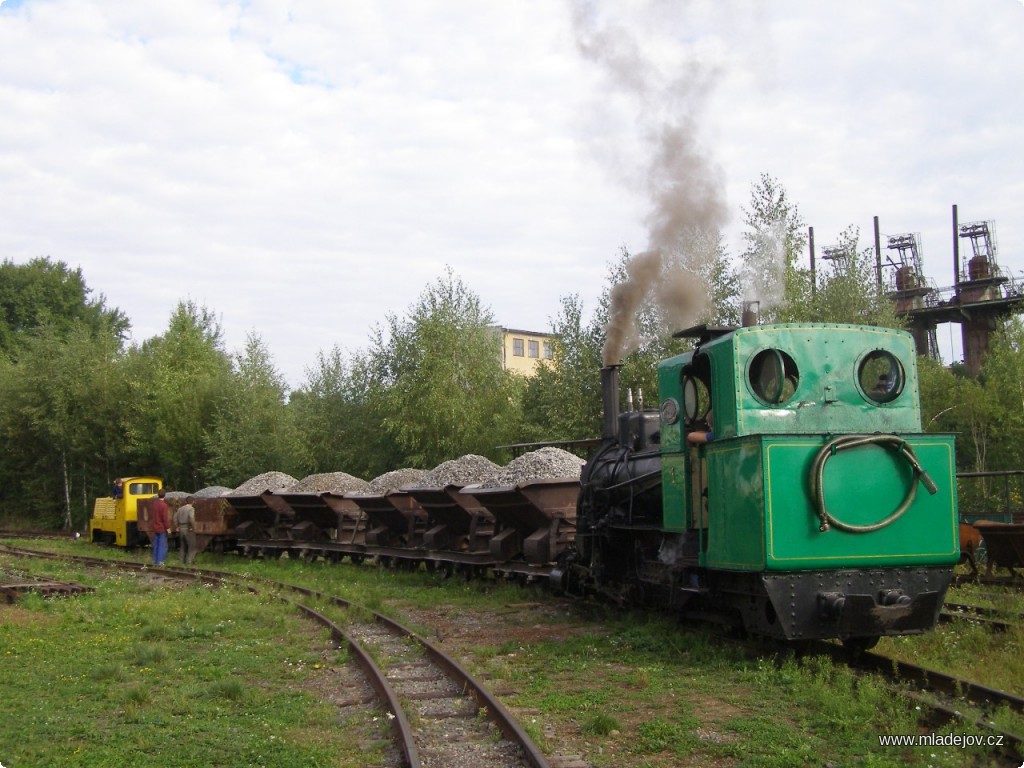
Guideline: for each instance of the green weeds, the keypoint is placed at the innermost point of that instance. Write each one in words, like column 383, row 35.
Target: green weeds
column 636, row 690
column 144, row 673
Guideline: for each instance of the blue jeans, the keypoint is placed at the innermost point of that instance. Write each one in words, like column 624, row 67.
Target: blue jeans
column 159, row 548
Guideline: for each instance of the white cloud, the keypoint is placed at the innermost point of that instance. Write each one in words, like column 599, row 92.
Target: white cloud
column 303, row 170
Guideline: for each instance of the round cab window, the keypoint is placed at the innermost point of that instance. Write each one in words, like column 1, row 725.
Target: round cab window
column 881, row 376
column 773, row 376
column 696, row 398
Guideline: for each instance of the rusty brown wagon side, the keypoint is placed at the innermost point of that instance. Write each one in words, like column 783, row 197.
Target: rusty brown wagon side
column 535, row 522
column 215, row 520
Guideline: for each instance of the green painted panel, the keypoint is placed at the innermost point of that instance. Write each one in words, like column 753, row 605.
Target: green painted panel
column 669, row 387
column 862, row 486
column 827, row 396
column 736, row 521
column 675, row 492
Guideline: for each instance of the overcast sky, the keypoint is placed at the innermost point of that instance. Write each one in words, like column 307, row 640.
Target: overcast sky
column 304, row 168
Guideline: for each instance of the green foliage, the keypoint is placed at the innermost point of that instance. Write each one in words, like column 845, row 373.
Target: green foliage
column 774, row 240
column 253, row 431
column 847, row 290
column 986, row 414
column 600, row 724
column 441, row 388
column 242, row 690
column 335, row 417
column 150, row 654
column 1002, row 378
column 61, row 419
column 49, row 295
column 843, row 290
column 563, row 400
column 179, row 380
column 61, row 388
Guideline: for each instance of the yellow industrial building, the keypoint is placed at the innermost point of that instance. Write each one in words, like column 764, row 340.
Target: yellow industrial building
column 523, row 351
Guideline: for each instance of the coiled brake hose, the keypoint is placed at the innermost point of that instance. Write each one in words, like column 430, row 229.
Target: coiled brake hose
column 844, row 442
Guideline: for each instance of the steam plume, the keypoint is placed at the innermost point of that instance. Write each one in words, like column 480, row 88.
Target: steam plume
column 684, row 187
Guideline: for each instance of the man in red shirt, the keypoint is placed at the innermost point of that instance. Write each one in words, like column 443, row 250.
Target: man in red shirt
column 161, row 524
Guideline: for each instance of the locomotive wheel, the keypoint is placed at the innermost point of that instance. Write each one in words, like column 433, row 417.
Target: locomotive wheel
column 857, row 645
column 439, row 568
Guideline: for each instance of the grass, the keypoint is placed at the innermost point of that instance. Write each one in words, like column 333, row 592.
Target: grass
column 645, row 694
column 153, row 674
column 229, row 670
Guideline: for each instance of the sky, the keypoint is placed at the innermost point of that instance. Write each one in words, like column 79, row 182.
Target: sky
column 305, row 169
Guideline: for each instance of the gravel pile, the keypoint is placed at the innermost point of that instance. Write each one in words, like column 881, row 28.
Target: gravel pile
column 211, row 492
column 465, row 470
column 176, row 495
column 337, row 482
column 542, row 464
column 268, row 481
column 392, row 481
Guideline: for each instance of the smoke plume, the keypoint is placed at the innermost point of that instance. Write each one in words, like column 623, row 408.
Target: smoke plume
column 764, row 275
column 684, row 187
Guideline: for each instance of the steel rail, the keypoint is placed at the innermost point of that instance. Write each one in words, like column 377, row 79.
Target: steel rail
column 933, row 681
column 494, row 710
column 400, row 724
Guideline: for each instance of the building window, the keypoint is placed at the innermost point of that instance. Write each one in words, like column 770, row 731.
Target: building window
column 534, row 349
column 517, row 347
column 548, row 350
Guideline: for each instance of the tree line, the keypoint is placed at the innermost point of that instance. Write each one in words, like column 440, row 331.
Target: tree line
column 80, row 406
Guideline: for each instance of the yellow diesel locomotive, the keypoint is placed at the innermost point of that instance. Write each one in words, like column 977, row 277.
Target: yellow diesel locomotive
column 115, row 517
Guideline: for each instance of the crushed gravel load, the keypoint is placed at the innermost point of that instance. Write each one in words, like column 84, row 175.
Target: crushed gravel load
column 176, row 495
column 391, row 481
column 268, row 481
column 328, row 482
column 543, row 464
column 211, row 492
column 465, row 470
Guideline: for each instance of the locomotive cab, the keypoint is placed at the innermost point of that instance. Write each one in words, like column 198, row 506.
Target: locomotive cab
column 819, row 508
column 115, row 517
column 791, row 489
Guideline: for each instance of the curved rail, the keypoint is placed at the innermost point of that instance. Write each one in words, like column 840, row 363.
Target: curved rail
column 494, row 709
column 404, row 732
column 938, row 683
column 375, row 675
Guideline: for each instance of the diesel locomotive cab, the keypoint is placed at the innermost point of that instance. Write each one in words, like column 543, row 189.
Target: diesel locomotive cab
column 115, row 518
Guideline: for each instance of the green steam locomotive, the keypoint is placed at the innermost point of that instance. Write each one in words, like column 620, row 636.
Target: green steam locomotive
column 784, row 484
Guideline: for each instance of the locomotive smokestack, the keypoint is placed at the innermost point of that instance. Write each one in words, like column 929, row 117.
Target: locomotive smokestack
column 751, row 310
column 610, row 396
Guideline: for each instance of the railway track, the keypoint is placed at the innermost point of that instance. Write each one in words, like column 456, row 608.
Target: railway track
column 15, row 584
column 1012, row 581
column 997, row 621
column 947, row 699
column 439, row 714
column 431, row 708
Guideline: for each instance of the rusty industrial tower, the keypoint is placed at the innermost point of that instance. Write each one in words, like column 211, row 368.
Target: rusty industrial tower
column 981, row 296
